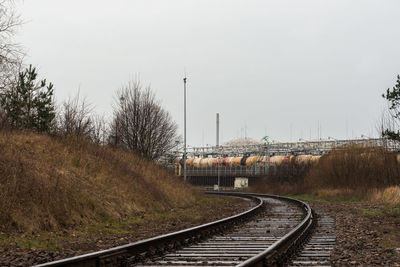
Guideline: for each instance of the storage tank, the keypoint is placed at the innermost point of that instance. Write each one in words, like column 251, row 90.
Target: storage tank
column 196, row 162
column 218, row 162
column 236, row 161
column 231, row 161
column 263, row 160
column 243, row 160
column 189, row 162
column 276, row 160
column 315, row 159
column 252, row 160
column 303, row 159
column 204, row 162
column 225, row 161
column 213, row 162
column 287, row 159
column 210, row 162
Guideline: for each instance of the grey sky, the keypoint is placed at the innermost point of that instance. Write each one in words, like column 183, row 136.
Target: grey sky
column 267, row 66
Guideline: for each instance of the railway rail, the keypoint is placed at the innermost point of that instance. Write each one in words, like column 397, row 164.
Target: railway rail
column 267, row 234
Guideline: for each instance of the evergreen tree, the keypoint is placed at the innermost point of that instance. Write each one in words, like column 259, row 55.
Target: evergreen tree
column 393, row 96
column 29, row 105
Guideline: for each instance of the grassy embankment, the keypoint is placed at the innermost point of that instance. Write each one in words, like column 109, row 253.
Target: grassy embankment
column 50, row 185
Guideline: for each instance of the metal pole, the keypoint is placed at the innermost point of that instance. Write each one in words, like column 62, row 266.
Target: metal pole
column 267, row 159
column 217, row 143
column 217, row 130
column 184, row 127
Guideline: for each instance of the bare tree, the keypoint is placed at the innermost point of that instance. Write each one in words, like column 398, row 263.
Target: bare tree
column 140, row 123
column 75, row 118
column 11, row 53
column 99, row 132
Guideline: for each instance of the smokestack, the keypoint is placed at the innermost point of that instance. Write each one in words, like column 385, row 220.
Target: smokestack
column 217, row 130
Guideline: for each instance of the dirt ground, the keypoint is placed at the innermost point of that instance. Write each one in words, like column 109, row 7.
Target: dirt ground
column 27, row 249
column 367, row 234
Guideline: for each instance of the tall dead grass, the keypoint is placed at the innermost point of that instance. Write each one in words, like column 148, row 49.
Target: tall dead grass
column 355, row 167
column 370, row 173
column 50, row 183
column 389, row 195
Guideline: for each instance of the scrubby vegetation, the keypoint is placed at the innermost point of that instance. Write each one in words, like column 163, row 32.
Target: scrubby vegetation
column 353, row 171
column 50, row 183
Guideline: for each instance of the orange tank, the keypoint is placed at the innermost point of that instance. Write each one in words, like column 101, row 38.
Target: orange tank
column 213, row 162
column 315, row 159
column 196, row 162
column 189, row 162
column 303, row 159
column 263, row 160
column 204, row 162
column 276, row 160
column 230, row 161
column 225, row 161
column 252, row 160
column 236, row 161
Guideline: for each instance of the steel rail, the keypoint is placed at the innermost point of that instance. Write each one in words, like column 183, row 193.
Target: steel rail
column 277, row 253
column 284, row 247
column 110, row 257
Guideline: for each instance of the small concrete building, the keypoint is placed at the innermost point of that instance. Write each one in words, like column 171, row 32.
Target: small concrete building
column 241, row 182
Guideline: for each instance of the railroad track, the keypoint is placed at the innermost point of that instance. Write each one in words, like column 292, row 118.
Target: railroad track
column 268, row 234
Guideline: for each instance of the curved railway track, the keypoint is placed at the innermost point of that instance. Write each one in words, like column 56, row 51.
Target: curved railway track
column 267, row 234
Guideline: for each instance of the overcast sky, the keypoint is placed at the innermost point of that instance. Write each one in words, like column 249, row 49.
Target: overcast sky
column 276, row 68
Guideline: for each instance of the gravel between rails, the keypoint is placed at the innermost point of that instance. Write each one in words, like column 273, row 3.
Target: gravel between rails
column 241, row 243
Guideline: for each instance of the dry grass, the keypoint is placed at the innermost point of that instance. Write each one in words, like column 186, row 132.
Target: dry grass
column 367, row 173
column 390, row 195
column 356, row 168
column 50, row 183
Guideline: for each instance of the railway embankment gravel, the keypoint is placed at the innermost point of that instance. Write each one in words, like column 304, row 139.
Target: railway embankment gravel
column 367, row 234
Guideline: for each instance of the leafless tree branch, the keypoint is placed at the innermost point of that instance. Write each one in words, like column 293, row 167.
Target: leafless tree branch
column 140, row 123
column 11, row 54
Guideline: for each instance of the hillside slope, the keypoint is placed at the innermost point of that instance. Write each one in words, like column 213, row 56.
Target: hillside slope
column 47, row 183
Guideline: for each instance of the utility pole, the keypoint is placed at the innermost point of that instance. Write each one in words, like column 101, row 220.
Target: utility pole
column 217, row 144
column 184, row 128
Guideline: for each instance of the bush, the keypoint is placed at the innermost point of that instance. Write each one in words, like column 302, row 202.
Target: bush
column 355, row 167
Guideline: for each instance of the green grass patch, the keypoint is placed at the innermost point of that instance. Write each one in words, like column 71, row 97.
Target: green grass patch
column 393, row 211
column 31, row 242
column 372, row 212
column 114, row 227
column 38, row 244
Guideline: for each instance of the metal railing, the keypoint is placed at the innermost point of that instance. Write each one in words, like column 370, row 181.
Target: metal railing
column 236, row 171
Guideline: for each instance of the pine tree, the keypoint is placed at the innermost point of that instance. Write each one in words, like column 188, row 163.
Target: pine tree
column 29, row 105
column 393, row 96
